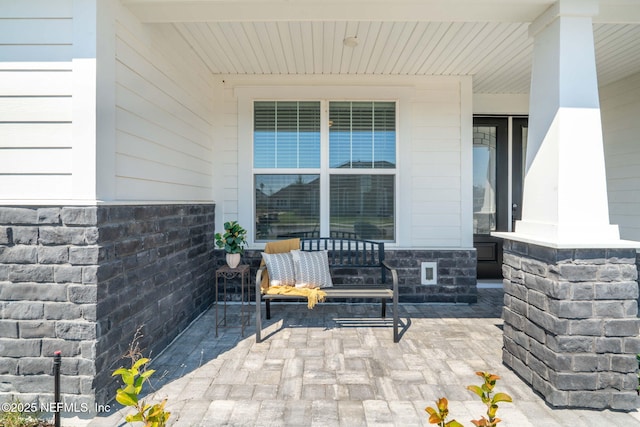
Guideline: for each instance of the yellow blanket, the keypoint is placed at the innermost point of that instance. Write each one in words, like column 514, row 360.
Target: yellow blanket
column 314, row 295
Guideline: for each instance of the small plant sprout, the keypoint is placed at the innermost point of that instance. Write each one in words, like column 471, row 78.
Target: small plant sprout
column 485, row 392
column 439, row 414
column 133, row 379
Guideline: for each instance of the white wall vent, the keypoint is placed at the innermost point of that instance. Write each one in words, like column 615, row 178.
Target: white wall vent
column 429, row 273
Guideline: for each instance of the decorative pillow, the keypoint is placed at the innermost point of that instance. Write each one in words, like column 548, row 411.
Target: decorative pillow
column 312, row 269
column 277, row 247
column 280, row 267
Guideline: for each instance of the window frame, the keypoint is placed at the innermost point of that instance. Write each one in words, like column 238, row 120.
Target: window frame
column 325, row 171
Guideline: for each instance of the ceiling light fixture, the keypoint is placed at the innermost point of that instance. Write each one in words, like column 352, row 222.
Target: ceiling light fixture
column 351, row 41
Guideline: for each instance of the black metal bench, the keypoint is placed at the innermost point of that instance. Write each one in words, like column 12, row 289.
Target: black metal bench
column 343, row 253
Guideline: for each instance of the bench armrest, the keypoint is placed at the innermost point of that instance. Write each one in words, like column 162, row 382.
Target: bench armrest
column 394, row 276
column 259, row 281
column 259, row 302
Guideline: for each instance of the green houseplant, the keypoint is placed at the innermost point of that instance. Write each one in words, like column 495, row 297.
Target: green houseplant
column 232, row 241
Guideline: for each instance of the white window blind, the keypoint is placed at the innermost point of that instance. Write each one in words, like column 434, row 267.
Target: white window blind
column 286, row 134
column 362, row 135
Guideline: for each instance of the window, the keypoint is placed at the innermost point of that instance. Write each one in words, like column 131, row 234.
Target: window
column 346, row 188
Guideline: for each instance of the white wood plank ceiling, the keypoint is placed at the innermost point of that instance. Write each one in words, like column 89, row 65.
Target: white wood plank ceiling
column 498, row 55
column 496, row 52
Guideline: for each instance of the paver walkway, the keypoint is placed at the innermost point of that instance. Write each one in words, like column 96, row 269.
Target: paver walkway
column 335, row 367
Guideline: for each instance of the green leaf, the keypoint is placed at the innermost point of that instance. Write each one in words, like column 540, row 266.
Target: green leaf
column 501, row 397
column 126, row 399
column 453, row 423
column 132, row 418
column 139, row 363
column 127, row 377
column 493, row 409
column 119, row 371
column 147, row 373
column 131, row 389
column 476, row 389
column 155, row 411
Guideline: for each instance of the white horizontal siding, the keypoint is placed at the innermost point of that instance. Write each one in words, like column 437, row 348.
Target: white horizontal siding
column 35, row 109
column 620, row 106
column 35, row 82
column 35, row 135
column 437, row 202
column 29, row 187
column 39, row 161
column 36, row 30
column 163, row 115
column 36, row 100
column 36, row 8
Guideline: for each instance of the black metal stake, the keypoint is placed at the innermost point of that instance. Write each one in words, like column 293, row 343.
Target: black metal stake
column 57, row 360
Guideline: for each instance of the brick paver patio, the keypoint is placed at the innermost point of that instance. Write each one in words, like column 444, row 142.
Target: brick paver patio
column 336, row 367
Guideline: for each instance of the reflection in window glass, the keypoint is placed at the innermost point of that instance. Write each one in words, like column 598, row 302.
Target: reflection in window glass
column 287, row 206
column 362, row 206
column 362, row 135
column 484, row 179
column 286, row 134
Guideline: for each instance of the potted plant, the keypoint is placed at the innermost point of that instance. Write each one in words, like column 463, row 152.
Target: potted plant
column 232, row 241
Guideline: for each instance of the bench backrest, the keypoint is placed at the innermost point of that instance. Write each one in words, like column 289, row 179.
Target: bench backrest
column 347, row 252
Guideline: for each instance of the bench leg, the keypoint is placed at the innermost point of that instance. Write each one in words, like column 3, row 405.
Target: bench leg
column 267, row 304
column 384, row 308
column 258, row 318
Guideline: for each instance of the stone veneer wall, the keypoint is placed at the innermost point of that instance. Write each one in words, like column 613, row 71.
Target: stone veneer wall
column 456, row 274
column 571, row 325
column 155, row 269
column 82, row 279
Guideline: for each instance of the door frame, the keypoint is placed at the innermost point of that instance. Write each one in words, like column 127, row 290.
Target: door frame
column 489, row 248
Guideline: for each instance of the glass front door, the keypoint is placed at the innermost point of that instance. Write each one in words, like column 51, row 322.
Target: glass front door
column 497, row 186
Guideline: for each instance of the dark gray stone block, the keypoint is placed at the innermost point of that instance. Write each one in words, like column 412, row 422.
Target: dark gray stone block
column 17, row 215
column 621, row 401
column 79, row 215
column 621, row 327
column 8, row 366
column 24, row 310
column 19, row 254
column 48, row 215
column 585, row 302
column 53, row 254
column 31, row 273
column 578, row 273
column 595, row 399
column 75, row 330
column 19, row 347
column 23, row 235
column 8, row 329
column 50, row 235
column 36, row 329
column 35, row 366
column 67, row 274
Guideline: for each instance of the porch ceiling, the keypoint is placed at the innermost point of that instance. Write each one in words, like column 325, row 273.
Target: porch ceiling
column 484, row 38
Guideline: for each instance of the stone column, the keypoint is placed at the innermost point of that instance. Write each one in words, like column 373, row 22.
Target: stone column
column 571, row 325
column 570, row 316
column 565, row 191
